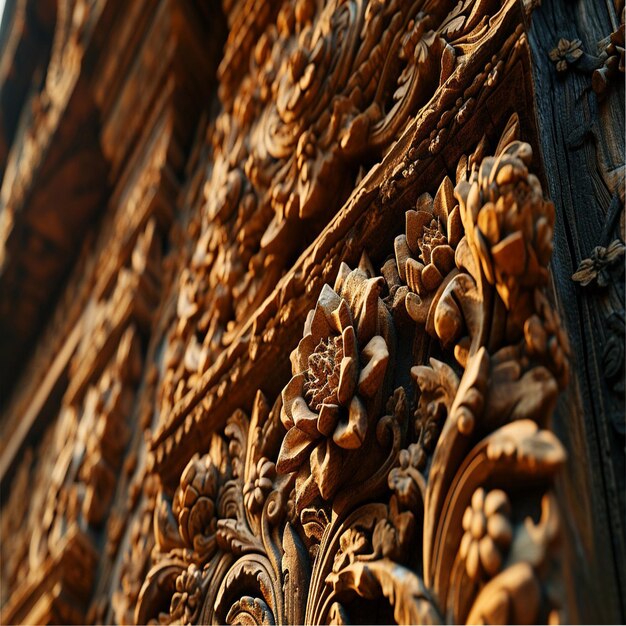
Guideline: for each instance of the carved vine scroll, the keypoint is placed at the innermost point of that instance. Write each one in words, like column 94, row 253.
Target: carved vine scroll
column 382, row 486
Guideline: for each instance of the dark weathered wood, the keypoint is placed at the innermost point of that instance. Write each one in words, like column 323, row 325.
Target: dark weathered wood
column 582, row 144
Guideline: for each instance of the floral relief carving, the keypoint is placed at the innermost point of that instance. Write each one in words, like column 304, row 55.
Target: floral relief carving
column 604, row 266
column 354, row 487
column 328, row 87
column 194, row 504
column 488, row 533
column 566, row 53
column 339, row 368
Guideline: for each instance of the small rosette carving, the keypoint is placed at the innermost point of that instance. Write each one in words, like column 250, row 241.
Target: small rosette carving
column 488, row 533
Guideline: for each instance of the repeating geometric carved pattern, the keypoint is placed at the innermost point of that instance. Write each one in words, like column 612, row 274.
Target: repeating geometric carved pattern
column 382, row 487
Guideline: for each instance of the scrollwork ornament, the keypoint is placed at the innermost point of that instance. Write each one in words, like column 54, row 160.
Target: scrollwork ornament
column 333, row 500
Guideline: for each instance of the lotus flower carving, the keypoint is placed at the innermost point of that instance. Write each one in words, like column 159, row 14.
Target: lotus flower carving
column 338, row 370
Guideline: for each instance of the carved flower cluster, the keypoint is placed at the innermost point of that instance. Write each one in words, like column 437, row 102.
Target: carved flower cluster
column 425, row 253
column 508, row 221
column 488, row 533
column 194, row 503
column 338, row 366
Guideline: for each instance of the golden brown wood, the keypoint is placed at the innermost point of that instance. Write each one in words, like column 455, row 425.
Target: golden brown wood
column 309, row 364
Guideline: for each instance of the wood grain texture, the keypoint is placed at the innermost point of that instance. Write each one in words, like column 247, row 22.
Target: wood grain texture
column 582, row 143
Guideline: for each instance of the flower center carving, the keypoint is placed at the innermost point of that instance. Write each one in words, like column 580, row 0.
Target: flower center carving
column 432, row 237
column 322, row 378
column 338, row 371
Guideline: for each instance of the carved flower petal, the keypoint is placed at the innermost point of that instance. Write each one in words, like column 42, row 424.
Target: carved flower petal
column 490, row 556
column 300, row 356
column 415, row 222
column 485, row 256
column 307, row 323
column 442, row 257
column 328, row 300
column 320, row 324
column 190, row 471
column 200, row 515
column 349, row 343
column 303, row 417
column 417, row 307
column 466, row 542
column 478, row 499
column 467, row 516
column 377, row 356
column 424, row 202
column 183, row 519
column 306, row 488
column 497, row 502
column 586, row 272
column 342, row 274
column 291, row 391
column 348, row 374
column 431, row 277
column 414, row 271
column 444, row 200
column 327, row 419
column 488, row 223
column 454, row 227
column 341, row 317
column 500, row 530
column 510, row 254
column 473, row 560
column 403, row 253
column 368, row 311
column 350, row 435
column 326, row 462
column 293, row 450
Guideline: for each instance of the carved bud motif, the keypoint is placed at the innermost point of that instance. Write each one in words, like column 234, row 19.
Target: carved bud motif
column 194, row 503
column 186, row 601
column 261, row 479
column 488, row 533
column 339, row 367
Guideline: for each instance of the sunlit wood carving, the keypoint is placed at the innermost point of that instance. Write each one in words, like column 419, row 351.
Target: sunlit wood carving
column 287, row 290
column 432, row 499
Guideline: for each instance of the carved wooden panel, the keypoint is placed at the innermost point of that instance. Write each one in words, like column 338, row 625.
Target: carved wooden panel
column 329, row 354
